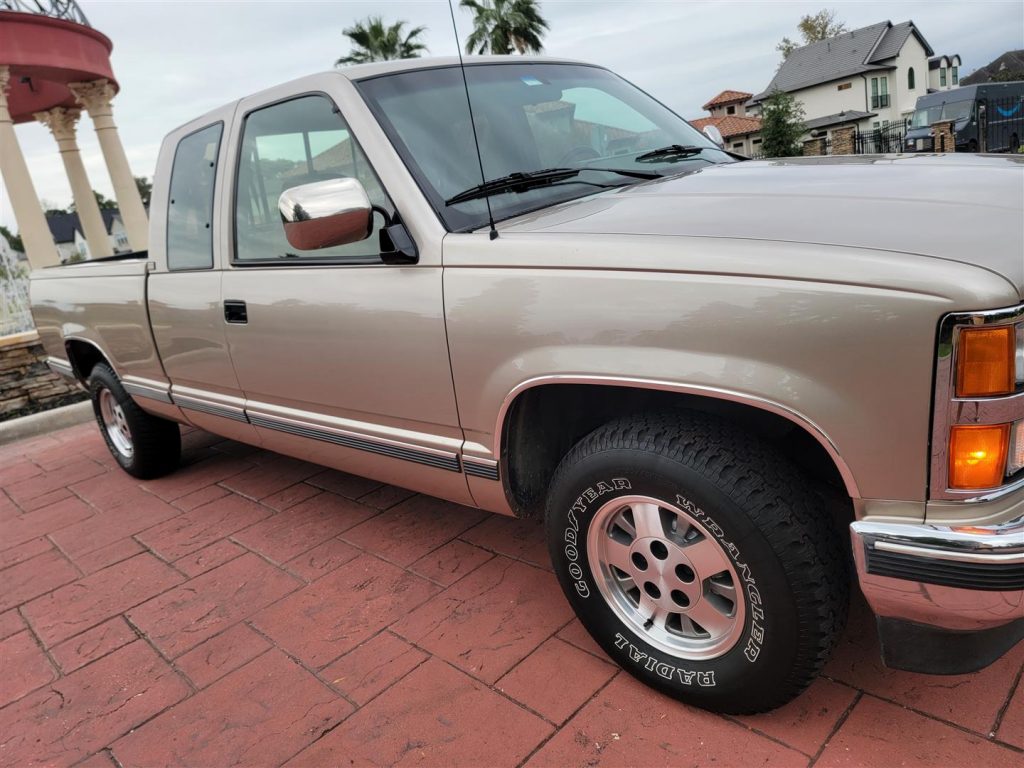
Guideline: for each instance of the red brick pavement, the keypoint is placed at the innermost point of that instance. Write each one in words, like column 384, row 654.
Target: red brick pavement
column 255, row 610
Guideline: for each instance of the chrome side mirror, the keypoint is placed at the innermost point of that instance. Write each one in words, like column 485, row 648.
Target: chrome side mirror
column 325, row 213
column 715, row 135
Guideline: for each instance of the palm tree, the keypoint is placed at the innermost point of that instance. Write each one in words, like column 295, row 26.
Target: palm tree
column 501, row 26
column 373, row 41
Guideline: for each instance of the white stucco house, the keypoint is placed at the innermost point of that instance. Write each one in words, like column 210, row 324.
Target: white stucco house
column 70, row 239
column 871, row 76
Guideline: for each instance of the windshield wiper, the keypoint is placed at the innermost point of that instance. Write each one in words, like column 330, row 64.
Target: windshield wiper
column 671, row 151
column 521, row 181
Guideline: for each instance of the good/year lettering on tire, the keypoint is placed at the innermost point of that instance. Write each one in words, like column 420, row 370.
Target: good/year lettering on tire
column 697, row 560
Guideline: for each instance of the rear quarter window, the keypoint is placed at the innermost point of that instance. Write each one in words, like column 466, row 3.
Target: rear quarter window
column 190, row 206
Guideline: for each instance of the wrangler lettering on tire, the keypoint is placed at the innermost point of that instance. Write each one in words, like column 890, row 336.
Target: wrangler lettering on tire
column 698, row 559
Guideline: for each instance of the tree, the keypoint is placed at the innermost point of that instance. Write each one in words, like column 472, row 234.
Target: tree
column 1007, row 76
column 503, row 26
column 104, row 203
column 145, row 187
column 782, row 125
column 373, row 41
column 819, row 26
column 13, row 239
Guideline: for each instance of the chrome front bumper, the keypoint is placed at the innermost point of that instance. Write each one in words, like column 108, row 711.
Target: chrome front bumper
column 953, row 577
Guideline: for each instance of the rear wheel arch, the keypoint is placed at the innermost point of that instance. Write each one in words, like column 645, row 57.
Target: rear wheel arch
column 542, row 419
column 84, row 356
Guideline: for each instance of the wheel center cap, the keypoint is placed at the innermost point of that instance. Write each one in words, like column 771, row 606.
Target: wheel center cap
column 664, row 573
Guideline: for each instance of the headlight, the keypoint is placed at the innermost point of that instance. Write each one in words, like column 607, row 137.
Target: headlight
column 1016, row 461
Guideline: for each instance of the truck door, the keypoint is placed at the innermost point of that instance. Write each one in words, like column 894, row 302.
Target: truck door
column 183, row 293
column 343, row 359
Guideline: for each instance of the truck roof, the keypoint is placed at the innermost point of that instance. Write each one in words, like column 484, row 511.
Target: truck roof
column 972, row 92
column 363, row 71
column 358, row 72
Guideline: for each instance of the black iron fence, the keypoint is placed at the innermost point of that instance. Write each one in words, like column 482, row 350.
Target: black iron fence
column 881, row 140
column 1000, row 124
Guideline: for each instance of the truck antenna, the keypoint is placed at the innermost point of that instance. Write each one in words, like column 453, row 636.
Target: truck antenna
column 472, row 121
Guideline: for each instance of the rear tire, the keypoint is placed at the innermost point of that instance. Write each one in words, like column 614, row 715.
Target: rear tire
column 699, row 560
column 145, row 446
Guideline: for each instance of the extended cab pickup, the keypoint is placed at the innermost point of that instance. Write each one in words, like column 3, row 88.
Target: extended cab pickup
column 716, row 380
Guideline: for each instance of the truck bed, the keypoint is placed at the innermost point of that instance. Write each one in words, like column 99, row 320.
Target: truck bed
column 101, row 303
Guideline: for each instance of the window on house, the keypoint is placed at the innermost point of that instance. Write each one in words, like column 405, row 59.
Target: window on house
column 879, row 92
column 756, row 141
column 730, row 110
column 942, row 75
column 190, row 208
column 910, row 79
column 738, row 145
column 956, row 75
column 844, row 86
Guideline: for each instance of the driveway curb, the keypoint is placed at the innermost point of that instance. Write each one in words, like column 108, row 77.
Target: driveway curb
column 47, row 421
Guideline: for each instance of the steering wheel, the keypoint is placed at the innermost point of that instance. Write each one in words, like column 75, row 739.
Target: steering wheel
column 578, row 154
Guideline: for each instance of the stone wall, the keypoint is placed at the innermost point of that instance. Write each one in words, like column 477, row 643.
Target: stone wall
column 815, row 147
column 943, row 135
column 843, row 140
column 27, row 385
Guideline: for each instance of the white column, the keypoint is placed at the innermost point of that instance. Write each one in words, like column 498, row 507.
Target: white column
column 95, row 96
column 61, row 123
column 32, row 226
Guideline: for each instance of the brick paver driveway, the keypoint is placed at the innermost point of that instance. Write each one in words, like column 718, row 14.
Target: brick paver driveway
column 256, row 610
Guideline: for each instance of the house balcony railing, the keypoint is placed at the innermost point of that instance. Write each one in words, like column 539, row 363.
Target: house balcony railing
column 55, row 9
column 880, row 102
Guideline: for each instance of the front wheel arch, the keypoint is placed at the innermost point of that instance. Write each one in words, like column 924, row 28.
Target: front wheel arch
column 542, row 419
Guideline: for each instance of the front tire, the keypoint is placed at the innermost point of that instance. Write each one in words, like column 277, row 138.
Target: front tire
column 145, row 446
column 699, row 560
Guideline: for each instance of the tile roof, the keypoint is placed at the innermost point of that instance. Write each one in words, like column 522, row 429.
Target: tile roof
column 853, row 52
column 729, row 125
column 727, row 97
column 892, row 42
column 936, row 61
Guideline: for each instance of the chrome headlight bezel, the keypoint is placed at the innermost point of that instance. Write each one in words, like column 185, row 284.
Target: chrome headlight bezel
column 950, row 410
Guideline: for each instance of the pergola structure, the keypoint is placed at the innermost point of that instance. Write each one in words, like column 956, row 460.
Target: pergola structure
column 52, row 66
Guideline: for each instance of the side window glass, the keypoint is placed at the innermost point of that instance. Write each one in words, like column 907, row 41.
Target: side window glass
column 190, row 207
column 287, row 145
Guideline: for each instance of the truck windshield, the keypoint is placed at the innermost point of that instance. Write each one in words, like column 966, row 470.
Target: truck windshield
column 954, row 110
column 529, row 117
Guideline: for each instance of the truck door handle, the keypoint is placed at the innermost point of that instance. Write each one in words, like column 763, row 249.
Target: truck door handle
column 235, row 312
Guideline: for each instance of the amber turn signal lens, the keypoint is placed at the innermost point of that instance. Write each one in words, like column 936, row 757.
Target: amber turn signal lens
column 985, row 362
column 977, row 456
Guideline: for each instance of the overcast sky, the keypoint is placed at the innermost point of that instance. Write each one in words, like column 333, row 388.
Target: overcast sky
column 175, row 60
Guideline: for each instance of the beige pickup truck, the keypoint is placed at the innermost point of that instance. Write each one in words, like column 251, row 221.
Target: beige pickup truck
column 726, row 385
